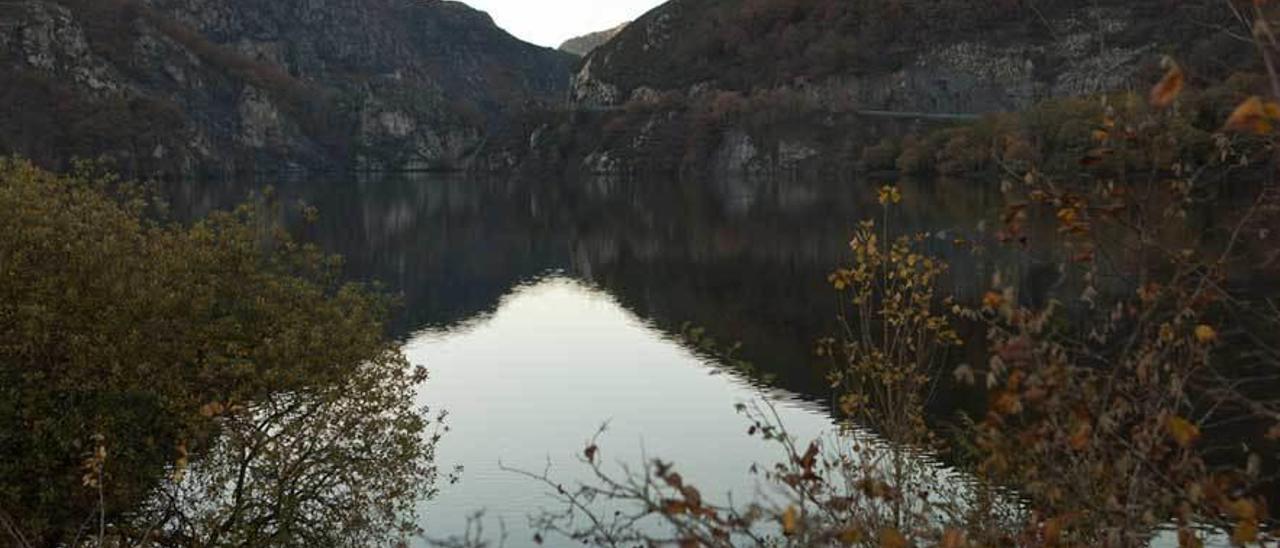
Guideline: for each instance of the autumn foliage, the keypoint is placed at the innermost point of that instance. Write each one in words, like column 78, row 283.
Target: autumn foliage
column 1135, row 395
column 173, row 384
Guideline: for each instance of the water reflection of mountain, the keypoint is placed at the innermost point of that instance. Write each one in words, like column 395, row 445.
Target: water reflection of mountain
column 450, row 247
column 746, row 260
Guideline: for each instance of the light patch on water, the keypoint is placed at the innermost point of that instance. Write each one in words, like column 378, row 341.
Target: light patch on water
column 528, row 386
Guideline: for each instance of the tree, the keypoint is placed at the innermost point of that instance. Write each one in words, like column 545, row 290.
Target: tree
column 139, row 359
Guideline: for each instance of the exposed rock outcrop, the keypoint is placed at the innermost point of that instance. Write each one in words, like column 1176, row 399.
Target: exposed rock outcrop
column 585, row 44
column 791, row 78
column 216, row 86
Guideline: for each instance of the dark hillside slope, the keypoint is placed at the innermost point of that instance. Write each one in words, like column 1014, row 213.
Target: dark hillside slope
column 216, row 86
column 752, row 86
column 1026, row 49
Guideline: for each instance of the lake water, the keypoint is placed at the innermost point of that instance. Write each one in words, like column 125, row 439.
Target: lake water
column 544, row 310
column 527, row 386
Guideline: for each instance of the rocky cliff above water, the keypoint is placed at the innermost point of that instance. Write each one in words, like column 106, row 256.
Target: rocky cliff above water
column 217, row 86
column 932, row 55
column 766, row 85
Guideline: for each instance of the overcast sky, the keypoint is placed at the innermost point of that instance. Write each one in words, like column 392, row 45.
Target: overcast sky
column 550, row 22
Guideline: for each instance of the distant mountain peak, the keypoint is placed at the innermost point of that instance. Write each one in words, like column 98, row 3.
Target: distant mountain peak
column 583, row 45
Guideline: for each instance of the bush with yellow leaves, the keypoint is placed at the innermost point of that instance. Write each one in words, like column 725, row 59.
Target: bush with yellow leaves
column 179, row 385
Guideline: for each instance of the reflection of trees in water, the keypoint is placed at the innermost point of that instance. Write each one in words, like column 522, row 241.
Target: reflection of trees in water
column 747, row 259
column 338, row 465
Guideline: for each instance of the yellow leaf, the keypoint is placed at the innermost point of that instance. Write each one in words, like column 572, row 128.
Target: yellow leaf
column 1253, row 115
column 1182, row 431
column 890, row 194
column 1244, row 509
column 1206, row 334
column 1165, row 92
column 1067, row 215
column 992, row 300
column 891, row 538
column 790, row 521
column 1245, row 532
column 1272, row 110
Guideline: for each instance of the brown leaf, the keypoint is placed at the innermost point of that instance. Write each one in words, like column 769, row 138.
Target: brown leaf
column 1245, row 532
column 210, row 410
column 672, row 507
column 810, row 458
column 1008, row 403
column 1169, row 87
column 952, row 539
column 850, row 536
column 1081, row 436
column 674, row 480
column 1053, row 531
column 1244, row 509
column 692, row 496
column 1096, row 156
column 1188, row 539
column 891, row 538
column 590, row 453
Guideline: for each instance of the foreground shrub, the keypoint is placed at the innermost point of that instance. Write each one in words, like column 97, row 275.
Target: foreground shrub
column 1132, row 394
column 135, row 354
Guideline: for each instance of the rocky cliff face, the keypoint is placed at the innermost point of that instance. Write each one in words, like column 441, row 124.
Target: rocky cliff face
column 583, row 45
column 915, row 55
column 228, row 85
column 777, row 63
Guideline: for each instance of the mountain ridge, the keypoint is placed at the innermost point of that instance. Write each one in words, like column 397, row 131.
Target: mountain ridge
column 585, row 44
column 197, row 86
column 780, row 86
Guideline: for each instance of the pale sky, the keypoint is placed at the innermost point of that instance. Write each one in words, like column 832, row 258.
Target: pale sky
column 550, row 22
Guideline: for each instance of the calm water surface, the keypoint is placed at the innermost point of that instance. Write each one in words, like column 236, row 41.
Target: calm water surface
column 546, row 309
column 529, row 384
